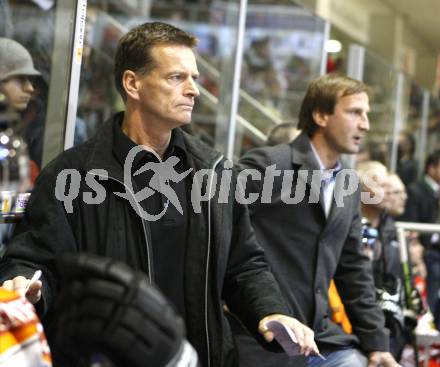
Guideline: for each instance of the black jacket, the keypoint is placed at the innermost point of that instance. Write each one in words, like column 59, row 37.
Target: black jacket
column 422, row 207
column 223, row 261
column 306, row 250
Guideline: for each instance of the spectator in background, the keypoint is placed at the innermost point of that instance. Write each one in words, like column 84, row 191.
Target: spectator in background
column 406, row 163
column 16, row 84
column 373, row 150
column 396, row 195
column 283, row 133
column 260, row 77
column 422, row 207
column 16, row 71
column 384, row 252
column 379, row 152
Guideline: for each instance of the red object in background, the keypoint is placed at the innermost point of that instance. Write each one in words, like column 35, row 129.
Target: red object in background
column 420, row 285
column 331, row 65
column 434, row 356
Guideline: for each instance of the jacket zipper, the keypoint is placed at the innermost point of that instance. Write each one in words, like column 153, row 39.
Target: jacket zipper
column 127, row 189
column 208, row 254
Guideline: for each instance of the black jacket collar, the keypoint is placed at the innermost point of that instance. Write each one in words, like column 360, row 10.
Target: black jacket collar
column 102, row 156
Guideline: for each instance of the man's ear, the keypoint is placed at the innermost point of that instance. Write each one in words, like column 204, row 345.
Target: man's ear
column 131, row 84
column 320, row 118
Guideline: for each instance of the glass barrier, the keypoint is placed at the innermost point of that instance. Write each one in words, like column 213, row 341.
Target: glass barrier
column 283, row 50
column 410, row 132
column 214, row 24
column 32, row 27
column 433, row 135
column 382, row 80
column 34, row 89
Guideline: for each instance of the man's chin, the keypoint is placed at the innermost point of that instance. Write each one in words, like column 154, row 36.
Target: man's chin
column 352, row 150
column 181, row 123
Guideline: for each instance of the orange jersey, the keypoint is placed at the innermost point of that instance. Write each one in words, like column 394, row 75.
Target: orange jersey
column 22, row 340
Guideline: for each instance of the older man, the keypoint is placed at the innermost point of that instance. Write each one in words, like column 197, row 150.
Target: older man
column 198, row 258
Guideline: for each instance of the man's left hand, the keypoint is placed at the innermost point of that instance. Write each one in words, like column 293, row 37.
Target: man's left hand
column 304, row 335
column 384, row 359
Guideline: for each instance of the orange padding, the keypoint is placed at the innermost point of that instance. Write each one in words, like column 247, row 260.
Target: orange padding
column 339, row 316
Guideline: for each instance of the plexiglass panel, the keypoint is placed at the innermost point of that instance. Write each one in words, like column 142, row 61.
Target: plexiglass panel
column 410, row 132
column 33, row 84
column 283, row 50
column 213, row 23
column 433, row 136
column 382, row 79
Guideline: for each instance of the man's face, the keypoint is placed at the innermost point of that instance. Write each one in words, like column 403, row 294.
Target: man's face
column 344, row 130
column 168, row 91
column 396, row 194
column 18, row 91
column 377, row 184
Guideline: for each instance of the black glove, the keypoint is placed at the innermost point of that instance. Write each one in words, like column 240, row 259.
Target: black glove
column 106, row 308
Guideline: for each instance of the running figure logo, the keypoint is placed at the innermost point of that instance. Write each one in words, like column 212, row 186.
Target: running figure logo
column 164, row 172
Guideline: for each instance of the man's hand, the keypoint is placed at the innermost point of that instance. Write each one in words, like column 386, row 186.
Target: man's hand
column 384, row 359
column 19, row 285
column 304, row 335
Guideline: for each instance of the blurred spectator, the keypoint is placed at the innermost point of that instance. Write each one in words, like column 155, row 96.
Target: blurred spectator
column 260, row 77
column 16, row 84
column 396, row 195
column 16, row 70
column 416, row 254
column 379, row 151
column 283, row 133
column 396, row 201
column 422, row 207
column 298, row 73
column 373, row 150
column 384, row 251
column 406, row 163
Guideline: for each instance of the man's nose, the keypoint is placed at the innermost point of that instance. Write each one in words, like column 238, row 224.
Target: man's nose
column 192, row 89
column 365, row 123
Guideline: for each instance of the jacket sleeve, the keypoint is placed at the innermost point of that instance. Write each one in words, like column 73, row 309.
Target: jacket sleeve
column 43, row 234
column 354, row 281
column 250, row 290
column 258, row 160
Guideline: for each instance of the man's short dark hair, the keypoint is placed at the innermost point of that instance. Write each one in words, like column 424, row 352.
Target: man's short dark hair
column 134, row 48
column 432, row 160
column 322, row 95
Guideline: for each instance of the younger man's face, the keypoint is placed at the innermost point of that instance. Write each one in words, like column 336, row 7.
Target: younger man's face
column 344, row 130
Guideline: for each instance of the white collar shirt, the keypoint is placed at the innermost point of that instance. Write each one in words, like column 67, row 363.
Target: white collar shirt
column 328, row 181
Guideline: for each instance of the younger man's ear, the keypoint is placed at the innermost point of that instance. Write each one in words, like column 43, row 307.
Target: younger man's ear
column 131, row 84
column 320, row 118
